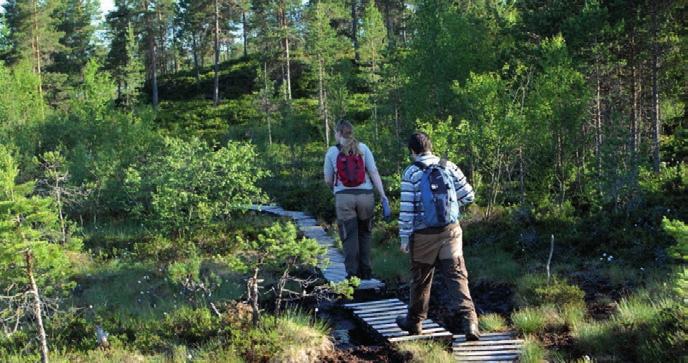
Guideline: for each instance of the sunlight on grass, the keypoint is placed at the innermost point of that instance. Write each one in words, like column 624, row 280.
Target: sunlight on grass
column 492, row 323
column 427, row 351
column 533, row 351
column 533, row 320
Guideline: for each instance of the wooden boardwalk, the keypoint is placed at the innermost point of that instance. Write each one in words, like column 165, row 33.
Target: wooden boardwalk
column 380, row 315
column 334, row 270
column 492, row 347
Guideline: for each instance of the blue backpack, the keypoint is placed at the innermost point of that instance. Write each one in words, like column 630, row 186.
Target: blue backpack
column 438, row 196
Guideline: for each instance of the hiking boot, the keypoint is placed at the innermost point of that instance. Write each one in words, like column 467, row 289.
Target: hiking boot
column 470, row 328
column 412, row 328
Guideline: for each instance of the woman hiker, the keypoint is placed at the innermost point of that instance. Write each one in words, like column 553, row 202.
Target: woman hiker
column 351, row 173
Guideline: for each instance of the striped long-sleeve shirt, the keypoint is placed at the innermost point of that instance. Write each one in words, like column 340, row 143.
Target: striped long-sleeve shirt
column 411, row 213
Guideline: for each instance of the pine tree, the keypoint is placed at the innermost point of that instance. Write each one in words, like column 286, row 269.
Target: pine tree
column 373, row 42
column 132, row 72
column 118, row 23
column 33, row 34
column 76, row 23
column 193, row 18
column 324, row 48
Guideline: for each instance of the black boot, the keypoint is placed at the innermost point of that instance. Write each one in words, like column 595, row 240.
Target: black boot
column 470, row 328
column 411, row 327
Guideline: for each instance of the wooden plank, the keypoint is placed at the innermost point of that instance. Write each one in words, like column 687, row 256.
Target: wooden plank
column 395, row 328
column 491, row 358
column 354, row 305
column 418, row 337
column 497, row 334
column 359, row 306
column 485, row 339
column 400, row 332
column 483, row 342
column 391, row 312
column 481, row 353
column 486, row 347
column 393, row 323
column 382, row 308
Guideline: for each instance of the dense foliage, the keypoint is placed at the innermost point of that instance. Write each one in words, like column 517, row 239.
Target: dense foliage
column 130, row 151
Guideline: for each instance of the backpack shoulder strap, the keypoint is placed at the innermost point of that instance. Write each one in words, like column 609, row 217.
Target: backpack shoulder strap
column 420, row 165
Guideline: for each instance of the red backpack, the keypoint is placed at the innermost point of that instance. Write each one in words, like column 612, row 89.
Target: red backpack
column 350, row 168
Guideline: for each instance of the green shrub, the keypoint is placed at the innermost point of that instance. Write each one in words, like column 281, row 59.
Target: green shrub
column 188, row 184
column 533, row 290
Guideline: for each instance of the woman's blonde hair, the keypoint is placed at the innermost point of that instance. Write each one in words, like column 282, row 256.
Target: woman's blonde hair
column 349, row 144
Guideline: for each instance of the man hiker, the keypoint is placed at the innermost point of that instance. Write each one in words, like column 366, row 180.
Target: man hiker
column 432, row 190
column 350, row 171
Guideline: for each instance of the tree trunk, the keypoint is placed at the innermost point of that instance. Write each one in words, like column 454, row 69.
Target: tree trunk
column 633, row 139
column 521, row 176
column 216, row 83
column 280, row 290
column 285, row 31
column 354, row 29
column 266, row 103
column 598, row 122
column 153, row 56
column 244, row 27
column 253, row 289
column 37, row 307
column 195, row 57
column 321, row 100
column 655, row 92
column 35, row 45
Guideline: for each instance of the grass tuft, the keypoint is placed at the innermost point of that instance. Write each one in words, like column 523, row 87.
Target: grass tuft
column 533, row 320
column 493, row 323
column 533, row 351
column 426, row 351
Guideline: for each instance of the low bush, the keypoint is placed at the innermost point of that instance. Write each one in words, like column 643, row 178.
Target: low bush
column 535, row 290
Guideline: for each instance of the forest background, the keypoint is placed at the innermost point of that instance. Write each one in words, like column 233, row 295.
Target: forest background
column 130, row 148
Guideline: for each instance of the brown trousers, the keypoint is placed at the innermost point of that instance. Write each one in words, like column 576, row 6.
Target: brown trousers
column 426, row 249
column 355, row 220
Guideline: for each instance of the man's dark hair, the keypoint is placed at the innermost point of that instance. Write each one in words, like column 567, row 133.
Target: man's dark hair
column 420, row 143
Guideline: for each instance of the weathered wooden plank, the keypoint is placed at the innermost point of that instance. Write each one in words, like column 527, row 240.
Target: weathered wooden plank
column 499, row 334
column 393, row 323
column 395, row 328
column 372, row 303
column 486, row 342
column 399, row 332
column 381, row 308
column 354, row 305
column 491, row 358
column 473, row 348
column 482, row 353
column 419, row 337
column 487, row 339
column 391, row 312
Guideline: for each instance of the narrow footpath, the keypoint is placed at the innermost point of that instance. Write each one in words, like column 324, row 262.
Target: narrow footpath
column 378, row 316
